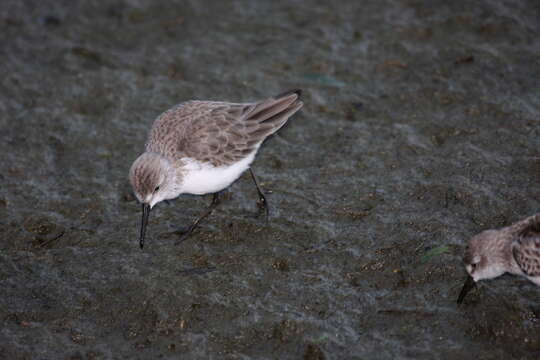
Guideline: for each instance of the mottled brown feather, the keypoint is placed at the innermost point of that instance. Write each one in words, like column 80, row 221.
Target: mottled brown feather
column 526, row 250
column 219, row 133
column 531, row 227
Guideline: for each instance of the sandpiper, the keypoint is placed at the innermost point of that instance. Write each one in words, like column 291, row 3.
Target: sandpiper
column 514, row 249
column 202, row 147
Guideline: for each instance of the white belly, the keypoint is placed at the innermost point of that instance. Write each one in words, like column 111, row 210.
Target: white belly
column 205, row 179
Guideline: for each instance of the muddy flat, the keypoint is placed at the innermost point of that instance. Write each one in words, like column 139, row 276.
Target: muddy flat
column 421, row 128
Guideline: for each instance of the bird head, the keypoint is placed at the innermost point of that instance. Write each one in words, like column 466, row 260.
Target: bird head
column 483, row 257
column 153, row 180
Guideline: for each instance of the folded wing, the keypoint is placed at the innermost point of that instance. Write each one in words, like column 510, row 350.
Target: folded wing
column 526, row 249
column 229, row 132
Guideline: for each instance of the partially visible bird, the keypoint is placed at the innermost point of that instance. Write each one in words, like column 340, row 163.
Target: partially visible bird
column 514, row 249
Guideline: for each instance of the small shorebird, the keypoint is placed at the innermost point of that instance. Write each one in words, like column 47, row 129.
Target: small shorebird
column 514, row 249
column 202, row 147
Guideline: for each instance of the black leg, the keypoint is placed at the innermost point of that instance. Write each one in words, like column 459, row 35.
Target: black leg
column 215, row 202
column 262, row 203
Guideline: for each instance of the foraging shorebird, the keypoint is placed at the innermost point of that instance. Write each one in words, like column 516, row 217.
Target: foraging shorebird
column 202, row 147
column 514, row 249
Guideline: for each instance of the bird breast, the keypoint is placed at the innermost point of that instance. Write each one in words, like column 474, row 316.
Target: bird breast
column 204, row 178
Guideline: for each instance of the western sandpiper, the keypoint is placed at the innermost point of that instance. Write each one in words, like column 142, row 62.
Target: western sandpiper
column 202, row 147
column 514, row 249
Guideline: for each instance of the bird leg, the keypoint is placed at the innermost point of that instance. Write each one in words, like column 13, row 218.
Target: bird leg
column 215, row 202
column 262, row 203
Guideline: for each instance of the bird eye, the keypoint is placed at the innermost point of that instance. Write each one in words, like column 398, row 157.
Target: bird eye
column 473, row 266
column 156, row 189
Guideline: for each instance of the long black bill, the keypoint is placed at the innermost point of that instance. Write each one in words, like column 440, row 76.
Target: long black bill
column 144, row 221
column 468, row 286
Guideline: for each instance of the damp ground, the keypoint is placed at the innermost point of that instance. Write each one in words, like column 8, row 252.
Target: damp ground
column 421, row 128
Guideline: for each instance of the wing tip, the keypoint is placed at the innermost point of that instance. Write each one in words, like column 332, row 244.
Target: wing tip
column 298, row 93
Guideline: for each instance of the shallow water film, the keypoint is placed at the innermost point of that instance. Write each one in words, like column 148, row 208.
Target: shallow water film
column 421, row 128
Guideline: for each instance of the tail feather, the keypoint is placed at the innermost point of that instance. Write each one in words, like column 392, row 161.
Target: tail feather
column 276, row 119
column 289, row 92
column 266, row 109
column 274, row 109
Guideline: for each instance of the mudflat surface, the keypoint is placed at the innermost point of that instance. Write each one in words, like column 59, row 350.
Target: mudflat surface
column 421, row 128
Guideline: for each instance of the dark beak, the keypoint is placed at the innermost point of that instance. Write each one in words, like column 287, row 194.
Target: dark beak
column 469, row 284
column 144, row 221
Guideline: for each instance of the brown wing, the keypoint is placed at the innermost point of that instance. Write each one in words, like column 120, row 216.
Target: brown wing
column 526, row 249
column 228, row 132
column 171, row 127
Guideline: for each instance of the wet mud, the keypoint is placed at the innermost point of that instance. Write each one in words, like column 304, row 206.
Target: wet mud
column 420, row 128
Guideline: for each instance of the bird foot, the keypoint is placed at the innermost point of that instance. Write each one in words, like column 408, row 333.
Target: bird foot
column 262, row 204
column 184, row 233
